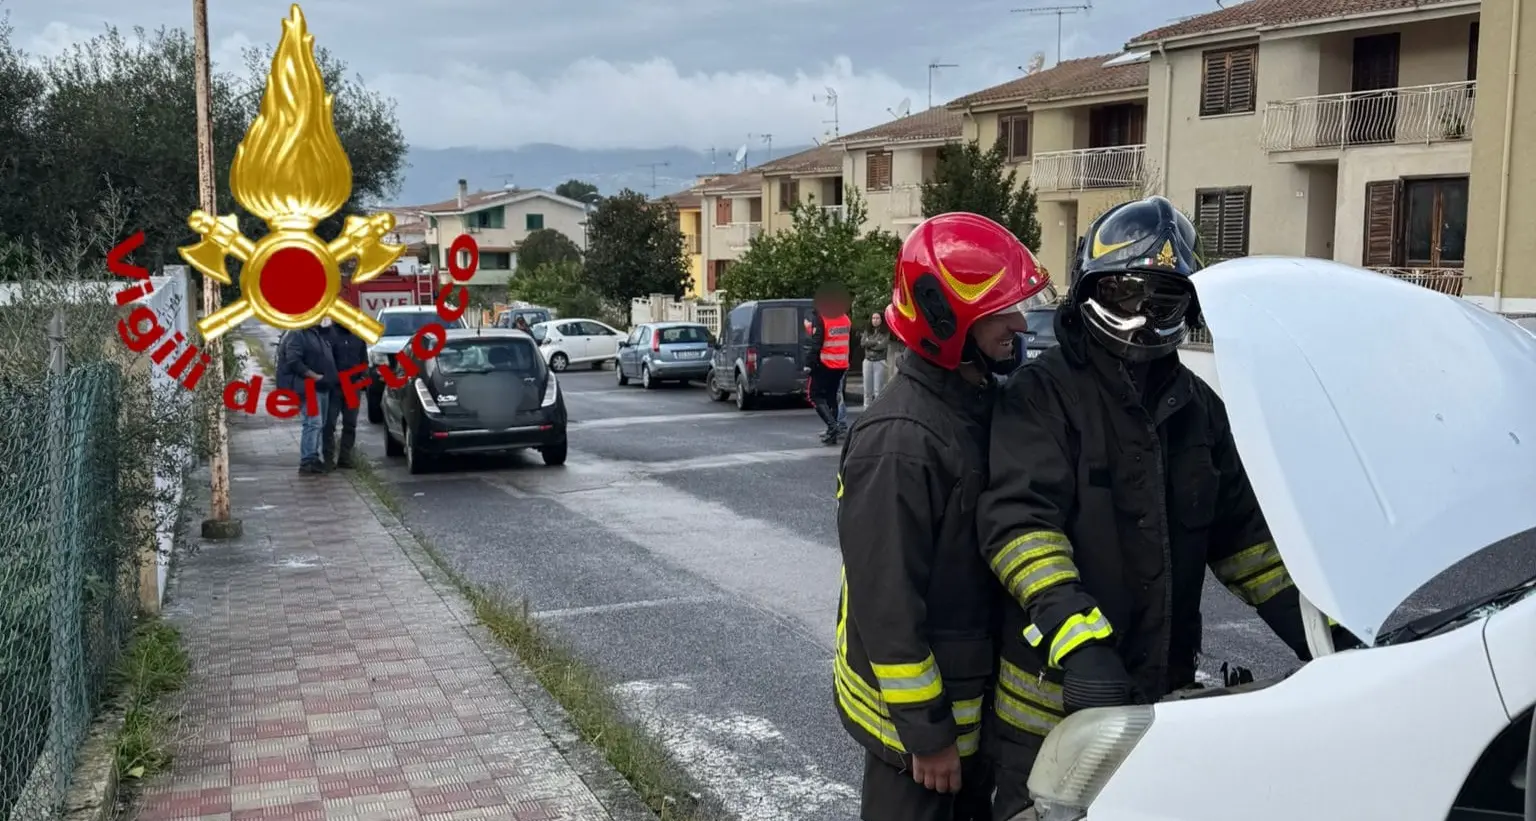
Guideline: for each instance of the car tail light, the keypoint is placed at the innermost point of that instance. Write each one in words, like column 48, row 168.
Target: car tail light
column 428, row 404
column 655, row 342
column 751, row 360
column 551, row 392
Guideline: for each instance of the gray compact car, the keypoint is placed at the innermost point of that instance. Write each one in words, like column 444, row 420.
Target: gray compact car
column 657, row 352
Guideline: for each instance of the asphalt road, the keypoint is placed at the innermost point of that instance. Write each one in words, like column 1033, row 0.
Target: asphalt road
column 689, row 551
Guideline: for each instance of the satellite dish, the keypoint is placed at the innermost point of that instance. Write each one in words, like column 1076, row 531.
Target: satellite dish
column 741, row 153
column 905, row 107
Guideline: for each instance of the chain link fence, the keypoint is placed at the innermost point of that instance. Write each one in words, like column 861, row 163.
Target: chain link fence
column 68, row 585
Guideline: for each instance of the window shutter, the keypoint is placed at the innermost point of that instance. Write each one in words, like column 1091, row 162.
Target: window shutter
column 722, row 211
column 1213, row 87
column 877, row 172
column 1208, row 216
column 1382, row 218
column 1234, row 223
column 1241, row 80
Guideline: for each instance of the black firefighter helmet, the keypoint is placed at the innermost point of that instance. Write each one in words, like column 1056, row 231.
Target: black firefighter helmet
column 1131, row 283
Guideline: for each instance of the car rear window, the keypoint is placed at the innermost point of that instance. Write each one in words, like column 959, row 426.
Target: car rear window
column 781, row 326
column 407, row 323
column 695, row 333
column 488, row 356
column 539, row 332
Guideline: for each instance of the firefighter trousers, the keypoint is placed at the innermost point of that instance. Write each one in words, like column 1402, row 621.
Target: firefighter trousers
column 890, row 794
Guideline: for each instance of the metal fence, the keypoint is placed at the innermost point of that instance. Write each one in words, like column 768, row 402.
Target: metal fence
column 68, row 579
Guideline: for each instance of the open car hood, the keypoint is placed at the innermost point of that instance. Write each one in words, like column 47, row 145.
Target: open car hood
column 1389, row 431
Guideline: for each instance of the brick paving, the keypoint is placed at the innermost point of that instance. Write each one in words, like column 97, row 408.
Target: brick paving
column 331, row 679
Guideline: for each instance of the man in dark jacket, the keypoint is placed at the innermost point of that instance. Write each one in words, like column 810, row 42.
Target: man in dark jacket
column 918, row 609
column 827, row 346
column 306, row 355
column 1114, row 483
column 349, row 351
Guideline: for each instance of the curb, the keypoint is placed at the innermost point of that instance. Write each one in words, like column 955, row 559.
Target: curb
column 612, row 790
column 93, row 787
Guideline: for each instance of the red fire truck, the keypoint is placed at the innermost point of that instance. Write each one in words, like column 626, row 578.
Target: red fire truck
column 409, row 283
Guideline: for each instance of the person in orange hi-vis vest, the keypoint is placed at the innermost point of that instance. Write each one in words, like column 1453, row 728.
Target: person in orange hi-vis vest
column 829, row 336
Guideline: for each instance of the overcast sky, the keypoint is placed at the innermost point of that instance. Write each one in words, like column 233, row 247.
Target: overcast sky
column 639, row 73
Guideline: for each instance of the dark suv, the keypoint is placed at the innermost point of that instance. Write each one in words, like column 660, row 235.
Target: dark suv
column 760, row 353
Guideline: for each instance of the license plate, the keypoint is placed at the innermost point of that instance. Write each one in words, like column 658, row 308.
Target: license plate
column 1031, row 354
column 690, row 354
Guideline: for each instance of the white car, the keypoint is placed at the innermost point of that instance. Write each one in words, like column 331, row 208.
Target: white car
column 1390, row 433
column 400, row 323
column 567, row 342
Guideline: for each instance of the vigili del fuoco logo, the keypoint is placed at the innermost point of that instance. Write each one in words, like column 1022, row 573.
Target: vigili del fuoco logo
column 291, row 171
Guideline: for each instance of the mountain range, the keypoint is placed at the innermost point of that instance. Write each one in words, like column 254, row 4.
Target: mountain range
column 433, row 174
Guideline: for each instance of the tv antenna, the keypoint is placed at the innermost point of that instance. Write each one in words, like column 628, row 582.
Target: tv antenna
column 653, row 166
column 1060, row 12
column 506, row 180
column 932, row 67
column 767, row 140
column 902, row 108
column 741, row 157
column 711, row 158
column 831, row 99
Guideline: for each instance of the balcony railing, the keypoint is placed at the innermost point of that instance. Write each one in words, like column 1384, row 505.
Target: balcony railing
column 742, row 234
column 836, row 212
column 905, row 202
column 1395, row 116
column 1086, row 168
column 1445, row 280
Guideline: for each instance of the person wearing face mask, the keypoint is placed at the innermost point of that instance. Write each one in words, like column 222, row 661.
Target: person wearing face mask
column 1114, row 483
column 875, row 342
column 916, row 618
column 348, row 351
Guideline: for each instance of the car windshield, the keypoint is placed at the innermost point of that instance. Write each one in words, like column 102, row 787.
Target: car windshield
column 488, row 356
column 691, row 333
column 406, row 323
column 1042, row 324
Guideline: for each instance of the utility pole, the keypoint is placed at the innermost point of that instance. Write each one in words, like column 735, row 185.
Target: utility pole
column 219, row 524
column 768, row 141
column 1060, row 12
column 711, row 159
column 932, row 67
column 653, row 166
column 831, row 99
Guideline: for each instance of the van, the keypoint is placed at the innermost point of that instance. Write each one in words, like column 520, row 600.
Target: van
column 532, row 315
column 760, row 354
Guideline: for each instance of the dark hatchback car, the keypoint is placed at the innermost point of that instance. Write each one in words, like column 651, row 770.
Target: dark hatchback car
column 487, row 391
column 1041, row 335
column 759, row 354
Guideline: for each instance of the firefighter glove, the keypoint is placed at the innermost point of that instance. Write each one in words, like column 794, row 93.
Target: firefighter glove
column 1095, row 676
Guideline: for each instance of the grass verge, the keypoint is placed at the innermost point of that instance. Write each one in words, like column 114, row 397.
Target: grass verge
column 661, row 782
column 154, row 666
column 257, row 351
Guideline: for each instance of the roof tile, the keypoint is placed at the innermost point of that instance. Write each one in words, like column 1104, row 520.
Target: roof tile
column 937, row 123
column 823, row 159
column 1069, row 78
column 1258, row 13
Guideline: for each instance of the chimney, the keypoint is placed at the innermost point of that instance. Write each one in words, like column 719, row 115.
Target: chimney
column 463, row 193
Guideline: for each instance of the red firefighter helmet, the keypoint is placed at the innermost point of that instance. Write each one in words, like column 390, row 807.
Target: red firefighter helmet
column 953, row 270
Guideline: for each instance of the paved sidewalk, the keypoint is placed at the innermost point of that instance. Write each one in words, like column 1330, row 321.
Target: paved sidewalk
column 332, row 680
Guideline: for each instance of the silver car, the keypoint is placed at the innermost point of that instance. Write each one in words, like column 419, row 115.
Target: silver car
column 665, row 351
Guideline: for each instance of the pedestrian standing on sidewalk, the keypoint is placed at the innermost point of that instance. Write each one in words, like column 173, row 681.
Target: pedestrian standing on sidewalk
column 349, row 352
column 306, row 354
column 916, row 619
column 827, row 338
column 876, row 342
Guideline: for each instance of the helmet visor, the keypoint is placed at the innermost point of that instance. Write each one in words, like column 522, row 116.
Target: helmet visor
column 1163, row 300
column 1019, row 311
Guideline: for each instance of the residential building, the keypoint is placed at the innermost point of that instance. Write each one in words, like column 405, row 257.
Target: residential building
column 499, row 221
column 889, row 163
column 1332, row 128
column 732, row 208
column 1499, row 251
column 689, row 206
column 410, row 231
column 1077, row 133
column 813, row 176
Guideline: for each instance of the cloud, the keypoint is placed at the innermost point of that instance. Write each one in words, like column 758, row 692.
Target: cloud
column 594, row 103
column 56, row 38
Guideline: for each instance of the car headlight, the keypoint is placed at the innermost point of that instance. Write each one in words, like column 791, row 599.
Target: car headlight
column 1080, row 756
column 551, row 392
column 379, row 358
column 428, row 404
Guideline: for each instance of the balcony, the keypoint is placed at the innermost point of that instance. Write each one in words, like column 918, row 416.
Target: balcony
column 1089, row 168
column 904, row 203
column 1444, row 280
column 836, row 212
column 1414, row 115
column 741, row 234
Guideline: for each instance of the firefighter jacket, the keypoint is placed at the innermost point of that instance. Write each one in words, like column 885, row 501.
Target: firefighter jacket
column 1106, row 504
column 918, row 608
column 828, row 341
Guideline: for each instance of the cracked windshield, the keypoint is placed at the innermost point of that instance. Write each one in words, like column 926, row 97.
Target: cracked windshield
column 696, row 412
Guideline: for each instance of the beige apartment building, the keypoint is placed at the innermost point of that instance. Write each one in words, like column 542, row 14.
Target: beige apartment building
column 499, row 221
column 1501, row 244
column 1339, row 129
column 731, row 208
column 1077, row 133
column 890, row 162
column 814, row 177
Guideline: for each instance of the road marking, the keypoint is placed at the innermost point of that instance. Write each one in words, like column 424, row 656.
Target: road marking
column 781, row 571
column 627, row 421
column 619, row 607
column 726, row 460
column 720, row 751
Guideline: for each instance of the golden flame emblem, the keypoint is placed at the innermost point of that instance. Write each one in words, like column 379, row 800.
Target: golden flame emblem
column 292, row 172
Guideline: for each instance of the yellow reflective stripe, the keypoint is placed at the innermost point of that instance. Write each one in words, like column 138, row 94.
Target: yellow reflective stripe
column 839, row 486
column 1033, row 635
column 1246, row 562
column 1262, row 587
column 909, row 683
column 1021, row 715
column 1033, row 563
column 969, row 743
column 1033, row 688
column 967, row 710
column 1077, row 630
column 882, row 729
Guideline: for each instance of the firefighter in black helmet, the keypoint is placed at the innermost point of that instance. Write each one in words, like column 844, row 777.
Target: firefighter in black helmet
column 1114, row 484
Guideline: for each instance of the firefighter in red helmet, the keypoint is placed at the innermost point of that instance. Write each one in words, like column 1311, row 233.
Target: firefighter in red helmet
column 915, row 620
